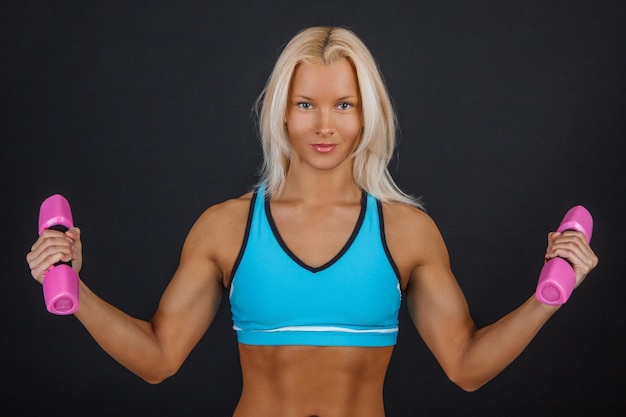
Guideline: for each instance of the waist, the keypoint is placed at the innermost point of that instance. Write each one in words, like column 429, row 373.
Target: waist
column 309, row 380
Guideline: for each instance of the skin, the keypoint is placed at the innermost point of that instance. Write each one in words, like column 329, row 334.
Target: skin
column 315, row 214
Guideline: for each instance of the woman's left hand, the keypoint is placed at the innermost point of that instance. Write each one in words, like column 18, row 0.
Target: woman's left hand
column 573, row 247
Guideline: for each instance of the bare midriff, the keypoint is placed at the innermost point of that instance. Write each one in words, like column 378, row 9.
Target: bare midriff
column 306, row 381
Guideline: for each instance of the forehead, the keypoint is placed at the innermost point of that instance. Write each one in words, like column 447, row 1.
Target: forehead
column 314, row 79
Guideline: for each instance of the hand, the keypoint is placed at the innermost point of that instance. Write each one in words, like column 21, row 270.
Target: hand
column 52, row 247
column 572, row 246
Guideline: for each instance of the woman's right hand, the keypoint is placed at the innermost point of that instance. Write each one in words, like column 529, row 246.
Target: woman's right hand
column 52, row 247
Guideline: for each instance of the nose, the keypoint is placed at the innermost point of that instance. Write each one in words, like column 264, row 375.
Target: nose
column 325, row 123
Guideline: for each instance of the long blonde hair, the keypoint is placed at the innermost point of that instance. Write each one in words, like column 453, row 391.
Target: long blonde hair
column 326, row 45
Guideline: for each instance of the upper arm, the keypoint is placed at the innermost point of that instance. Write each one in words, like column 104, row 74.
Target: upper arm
column 193, row 295
column 435, row 301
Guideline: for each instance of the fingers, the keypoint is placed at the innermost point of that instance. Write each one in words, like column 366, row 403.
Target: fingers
column 572, row 246
column 77, row 248
column 52, row 247
column 74, row 235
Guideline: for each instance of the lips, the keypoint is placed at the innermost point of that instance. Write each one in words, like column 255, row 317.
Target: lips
column 324, row 147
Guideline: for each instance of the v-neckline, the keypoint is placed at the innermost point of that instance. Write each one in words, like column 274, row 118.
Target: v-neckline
column 334, row 259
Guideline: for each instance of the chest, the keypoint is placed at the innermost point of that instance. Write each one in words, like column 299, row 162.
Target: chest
column 313, row 235
column 356, row 290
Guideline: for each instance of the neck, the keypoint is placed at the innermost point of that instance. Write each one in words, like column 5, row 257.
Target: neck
column 320, row 188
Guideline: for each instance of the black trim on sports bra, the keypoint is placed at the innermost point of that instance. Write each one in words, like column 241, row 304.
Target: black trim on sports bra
column 383, row 237
column 283, row 245
column 245, row 237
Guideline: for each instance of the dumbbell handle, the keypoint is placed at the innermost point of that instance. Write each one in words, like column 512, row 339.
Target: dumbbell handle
column 557, row 278
column 60, row 282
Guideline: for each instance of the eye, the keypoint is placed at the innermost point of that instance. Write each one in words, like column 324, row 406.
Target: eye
column 344, row 106
column 305, row 105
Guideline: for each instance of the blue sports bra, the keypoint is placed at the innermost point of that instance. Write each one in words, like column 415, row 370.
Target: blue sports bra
column 353, row 300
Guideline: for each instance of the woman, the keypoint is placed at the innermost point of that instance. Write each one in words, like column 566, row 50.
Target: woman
column 316, row 258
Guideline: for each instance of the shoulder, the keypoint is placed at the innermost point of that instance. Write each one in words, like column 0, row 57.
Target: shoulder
column 222, row 219
column 406, row 220
column 227, row 212
column 219, row 231
column 413, row 238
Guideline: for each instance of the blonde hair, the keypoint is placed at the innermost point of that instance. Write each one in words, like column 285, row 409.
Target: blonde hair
column 326, row 45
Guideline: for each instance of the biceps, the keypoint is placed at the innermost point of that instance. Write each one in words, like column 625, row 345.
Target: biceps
column 440, row 312
column 187, row 308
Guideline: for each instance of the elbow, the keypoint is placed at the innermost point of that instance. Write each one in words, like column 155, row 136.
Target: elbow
column 153, row 380
column 157, row 375
column 467, row 383
column 468, row 386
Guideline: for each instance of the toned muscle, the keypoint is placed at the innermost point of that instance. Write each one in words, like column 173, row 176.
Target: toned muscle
column 434, row 299
column 303, row 381
column 194, row 293
column 413, row 240
column 217, row 235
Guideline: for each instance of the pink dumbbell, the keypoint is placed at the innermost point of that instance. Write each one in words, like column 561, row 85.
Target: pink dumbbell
column 60, row 282
column 557, row 278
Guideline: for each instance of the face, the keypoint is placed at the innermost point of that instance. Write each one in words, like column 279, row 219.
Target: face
column 324, row 121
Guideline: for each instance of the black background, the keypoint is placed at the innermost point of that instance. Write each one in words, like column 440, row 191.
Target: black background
column 140, row 114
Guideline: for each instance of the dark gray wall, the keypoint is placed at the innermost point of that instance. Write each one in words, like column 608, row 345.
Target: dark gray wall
column 140, row 114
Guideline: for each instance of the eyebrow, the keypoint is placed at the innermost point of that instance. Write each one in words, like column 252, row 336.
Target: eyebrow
column 350, row 97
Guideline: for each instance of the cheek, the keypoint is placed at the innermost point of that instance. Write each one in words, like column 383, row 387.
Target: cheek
column 351, row 128
column 297, row 126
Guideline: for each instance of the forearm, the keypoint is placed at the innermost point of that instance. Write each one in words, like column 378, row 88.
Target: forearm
column 130, row 341
column 492, row 348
